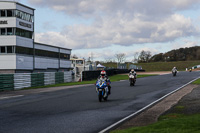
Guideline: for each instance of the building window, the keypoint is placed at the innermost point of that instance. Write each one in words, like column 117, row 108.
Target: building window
column 9, row 31
column 17, row 32
column 7, row 49
column 3, row 31
column 10, row 49
column 24, row 33
column 17, row 13
column 23, row 50
column 64, row 56
column 9, row 13
column 45, row 53
column 3, row 13
column 3, row 49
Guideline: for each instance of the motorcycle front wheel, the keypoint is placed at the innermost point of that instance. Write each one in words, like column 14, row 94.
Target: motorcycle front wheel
column 100, row 96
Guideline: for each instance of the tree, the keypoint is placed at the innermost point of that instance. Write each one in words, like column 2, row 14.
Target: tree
column 158, row 57
column 135, row 57
column 120, row 57
column 144, row 56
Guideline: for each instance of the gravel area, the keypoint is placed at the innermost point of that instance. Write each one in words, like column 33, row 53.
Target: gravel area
column 187, row 97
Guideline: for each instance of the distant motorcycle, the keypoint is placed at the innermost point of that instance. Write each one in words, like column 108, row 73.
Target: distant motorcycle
column 174, row 72
column 132, row 79
column 190, row 70
column 102, row 89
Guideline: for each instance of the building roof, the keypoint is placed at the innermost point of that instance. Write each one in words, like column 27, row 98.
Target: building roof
column 77, row 59
column 18, row 3
column 52, row 46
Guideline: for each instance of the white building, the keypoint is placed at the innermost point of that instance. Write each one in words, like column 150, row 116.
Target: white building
column 18, row 50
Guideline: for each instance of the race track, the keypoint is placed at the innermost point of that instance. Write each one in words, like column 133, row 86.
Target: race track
column 77, row 110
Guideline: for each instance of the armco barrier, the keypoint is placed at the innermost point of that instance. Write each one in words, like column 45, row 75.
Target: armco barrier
column 59, row 76
column 23, row 80
column 6, row 82
column 67, row 76
column 49, row 78
column 89, row 75
column 37, row 79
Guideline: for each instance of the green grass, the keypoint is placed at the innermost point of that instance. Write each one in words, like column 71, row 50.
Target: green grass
column 197, row 82
column 161, row 66
column 112, row 78
column 167, row 66
column 171, row 123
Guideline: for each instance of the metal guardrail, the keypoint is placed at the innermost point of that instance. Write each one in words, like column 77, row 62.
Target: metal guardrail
column 24, row 80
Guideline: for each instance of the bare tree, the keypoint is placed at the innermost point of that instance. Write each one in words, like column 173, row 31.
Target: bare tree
column 135, row 57
column 144, row 56
column 121, row 57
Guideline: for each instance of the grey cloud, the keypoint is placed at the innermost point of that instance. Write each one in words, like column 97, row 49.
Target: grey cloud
column 121, row 22
column 126, row 32
column 89, row 7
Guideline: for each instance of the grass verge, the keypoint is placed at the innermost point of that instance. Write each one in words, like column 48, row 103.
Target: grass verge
column 176, row 121
column 171, row 123
column 112, row 78
column 197, row 82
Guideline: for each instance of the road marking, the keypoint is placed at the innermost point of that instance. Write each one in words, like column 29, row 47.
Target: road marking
column 11, row 97
column 139, row 111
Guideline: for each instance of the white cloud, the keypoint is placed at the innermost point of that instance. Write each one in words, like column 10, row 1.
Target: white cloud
column 121, row 32
column 184, row 44
column 120, row 22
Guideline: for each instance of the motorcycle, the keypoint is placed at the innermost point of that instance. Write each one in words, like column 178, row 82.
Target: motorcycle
column 174, row 72
column 102, row 89
column 132, row 80
column 190, row 70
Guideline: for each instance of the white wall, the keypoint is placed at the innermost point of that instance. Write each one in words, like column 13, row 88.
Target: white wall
column 24, row 62
column 65, row 51
column 14, row 5
column 10, row 20
column 7, row 5
column 7, row 40
column 25, row 9
column 44, row 63
column 7, row 61
column 25, row 42
column 65, row 64
column 22, row 27
column 45, row 47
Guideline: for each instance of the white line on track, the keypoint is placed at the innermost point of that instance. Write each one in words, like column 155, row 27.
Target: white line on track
column 11, row 97
column 139, row 111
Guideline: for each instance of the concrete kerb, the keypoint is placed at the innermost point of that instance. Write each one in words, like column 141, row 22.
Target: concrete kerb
column 120, row 122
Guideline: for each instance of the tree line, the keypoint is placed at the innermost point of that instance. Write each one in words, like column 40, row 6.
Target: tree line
column 182, row 54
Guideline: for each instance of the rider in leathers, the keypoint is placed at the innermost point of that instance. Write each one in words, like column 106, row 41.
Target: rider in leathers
column 133, row 72
column 104, row 76
column 174, row 69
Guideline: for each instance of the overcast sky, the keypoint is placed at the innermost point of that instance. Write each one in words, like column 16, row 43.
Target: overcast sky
column 107, row 27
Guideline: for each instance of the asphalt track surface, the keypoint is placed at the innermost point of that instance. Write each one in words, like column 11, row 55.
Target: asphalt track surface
column 77, row 110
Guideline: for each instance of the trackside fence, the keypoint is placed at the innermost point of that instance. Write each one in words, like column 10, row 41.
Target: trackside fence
column 89, row 75
column 19, row 81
